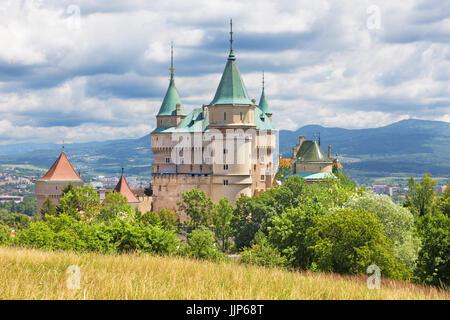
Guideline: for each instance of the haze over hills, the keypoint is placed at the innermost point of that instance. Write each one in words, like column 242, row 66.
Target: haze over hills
column 405, row 148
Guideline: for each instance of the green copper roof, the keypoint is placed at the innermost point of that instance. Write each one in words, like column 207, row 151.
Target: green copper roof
column 193, row 122
column 311, row 153
column 312, row 176
column 231, row 90
column 263, row 103
column 169, row 105
column 262, row 121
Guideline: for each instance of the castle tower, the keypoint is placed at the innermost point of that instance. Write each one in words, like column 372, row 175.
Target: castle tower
column 60, row 174
column 237, row 159
column 232, row 111
column 123, row 188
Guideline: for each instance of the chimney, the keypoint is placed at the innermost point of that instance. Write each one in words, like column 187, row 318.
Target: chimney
column 329, row 151
column 79, row 173
column 178, row 109
column 293, row 153
column 204, row 111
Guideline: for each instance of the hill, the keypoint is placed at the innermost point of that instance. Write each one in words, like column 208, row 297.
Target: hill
column 35, row 274
column 402, row 149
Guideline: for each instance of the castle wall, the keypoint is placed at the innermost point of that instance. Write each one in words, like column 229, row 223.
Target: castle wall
column 52, row 189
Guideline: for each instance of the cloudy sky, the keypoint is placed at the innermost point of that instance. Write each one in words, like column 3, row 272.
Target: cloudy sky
column 78, row 71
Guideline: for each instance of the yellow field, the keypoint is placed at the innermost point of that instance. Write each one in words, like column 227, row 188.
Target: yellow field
column 36, row 274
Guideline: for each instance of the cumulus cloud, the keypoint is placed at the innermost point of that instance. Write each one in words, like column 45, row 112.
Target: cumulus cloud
column 83, row 70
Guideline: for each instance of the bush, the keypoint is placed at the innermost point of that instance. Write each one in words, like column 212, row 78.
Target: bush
column 5, row 234
column 289, row 236
column 168, row 219
column 149, row 219
column 398, row 223
column 348, row 241
column 433, row 265
column 202, row 245
column 263, row 254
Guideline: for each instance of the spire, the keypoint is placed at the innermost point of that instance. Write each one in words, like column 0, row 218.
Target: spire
column 61, row 170
column 171, row 99
column 123, row 188
column 172, row 69
column 263, row 102
column 231, row 37
column 231, row 89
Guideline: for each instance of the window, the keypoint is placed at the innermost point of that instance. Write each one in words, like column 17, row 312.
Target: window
column 201, row 168
column 262, row 177
column 225, row 182
column 242, row 118
column 225, row 151
column 224, row 116
column 191, row 167
column 225, row 167
column 167, row 160
column 157, row 167
column 159, row 188
column 254, row 167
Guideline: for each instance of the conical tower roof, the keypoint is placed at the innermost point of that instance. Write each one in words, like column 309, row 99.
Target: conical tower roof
column 124, row 189
column 172, row 98
column 231, row 90
column 311, row 152
column 61, row 170
column 262, row 101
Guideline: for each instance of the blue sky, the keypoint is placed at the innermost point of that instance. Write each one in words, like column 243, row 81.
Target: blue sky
column 84, row 70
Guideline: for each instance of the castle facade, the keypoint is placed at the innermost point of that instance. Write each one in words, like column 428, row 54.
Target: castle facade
column 226, row 148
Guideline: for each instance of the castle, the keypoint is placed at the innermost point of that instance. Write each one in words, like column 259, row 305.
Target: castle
column 225, row 148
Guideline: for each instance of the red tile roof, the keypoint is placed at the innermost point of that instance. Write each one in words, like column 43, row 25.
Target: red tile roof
column 61, row 170
column 125, row 190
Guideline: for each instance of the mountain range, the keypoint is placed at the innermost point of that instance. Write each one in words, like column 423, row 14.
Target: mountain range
column 402, row 149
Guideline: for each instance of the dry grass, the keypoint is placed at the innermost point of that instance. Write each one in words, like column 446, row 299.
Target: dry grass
column 37, row 274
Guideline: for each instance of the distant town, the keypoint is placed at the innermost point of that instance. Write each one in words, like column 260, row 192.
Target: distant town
column 17, row 183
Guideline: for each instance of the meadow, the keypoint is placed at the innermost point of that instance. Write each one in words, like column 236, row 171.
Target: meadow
column 40, row 274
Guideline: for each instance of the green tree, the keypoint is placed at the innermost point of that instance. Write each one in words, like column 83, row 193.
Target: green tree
column 197, row 206
column 168, row 218
column 289, row 235
column 421, row 196
column 48, row 208
column 223, row 214
column 80, row 202
column 149, row 219
column 116, row 206
column 262, row 253
column 443, row 201
column 348, row 241
column 5, row 234
column 202, row 245
column 398, row 223
column 433, row 265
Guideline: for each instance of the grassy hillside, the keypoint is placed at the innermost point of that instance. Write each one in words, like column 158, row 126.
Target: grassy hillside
column 35, row 274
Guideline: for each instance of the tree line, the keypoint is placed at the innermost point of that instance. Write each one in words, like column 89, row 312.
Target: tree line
column 330, row 226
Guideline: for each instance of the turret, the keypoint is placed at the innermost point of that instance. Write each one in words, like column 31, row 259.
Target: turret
column 171, row 111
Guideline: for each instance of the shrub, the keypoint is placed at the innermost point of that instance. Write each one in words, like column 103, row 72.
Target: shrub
column 263, row 254
column 5, row 234
column 289, row 235
column 202, row 245
column 348, row 241
column 433, row 265
column 168, row 219
column 149, row 219
column 398, row 223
